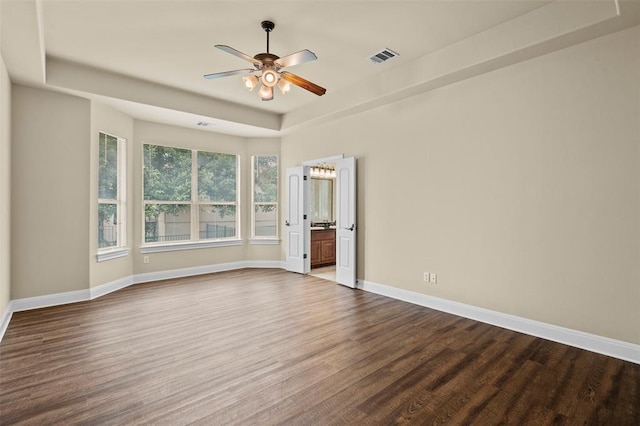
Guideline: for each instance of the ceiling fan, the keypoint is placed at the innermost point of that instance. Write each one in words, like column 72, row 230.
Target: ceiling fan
column 267, row 69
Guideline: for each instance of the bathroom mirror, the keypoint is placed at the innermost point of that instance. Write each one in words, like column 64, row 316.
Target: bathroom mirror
column 321, row 194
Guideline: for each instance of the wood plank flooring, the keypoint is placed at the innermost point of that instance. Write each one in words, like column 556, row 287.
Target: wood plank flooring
column 259, row 347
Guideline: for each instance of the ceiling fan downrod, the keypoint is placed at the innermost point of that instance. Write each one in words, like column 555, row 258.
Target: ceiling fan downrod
column 267, row 26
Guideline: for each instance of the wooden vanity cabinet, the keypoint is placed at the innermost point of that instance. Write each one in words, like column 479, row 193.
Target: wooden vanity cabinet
column 323, row 247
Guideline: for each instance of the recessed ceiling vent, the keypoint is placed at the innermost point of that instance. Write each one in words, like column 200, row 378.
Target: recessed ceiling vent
column 383, row 56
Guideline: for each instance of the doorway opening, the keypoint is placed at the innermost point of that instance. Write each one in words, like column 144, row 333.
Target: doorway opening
column 334, row 224
column 325, row 272
column 322, row 215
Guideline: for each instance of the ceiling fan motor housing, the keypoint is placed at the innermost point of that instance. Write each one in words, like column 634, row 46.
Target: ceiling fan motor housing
column 267, row 60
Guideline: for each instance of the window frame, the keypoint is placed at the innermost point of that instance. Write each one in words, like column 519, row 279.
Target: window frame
column 255, row 239
column 194, row 242
column 120, row 249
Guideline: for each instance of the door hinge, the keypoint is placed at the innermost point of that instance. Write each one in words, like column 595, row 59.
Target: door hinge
column 304, row 256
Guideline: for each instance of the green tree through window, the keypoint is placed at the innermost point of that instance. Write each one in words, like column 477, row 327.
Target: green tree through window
column 111, row 199
column 170, row 185
column 265, row 196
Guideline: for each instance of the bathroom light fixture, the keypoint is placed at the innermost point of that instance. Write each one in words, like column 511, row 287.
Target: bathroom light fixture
column 323, row 171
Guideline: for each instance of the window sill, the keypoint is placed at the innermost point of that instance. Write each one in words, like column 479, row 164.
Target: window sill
column 265, row 241
column 189, row 245
column 112, row 254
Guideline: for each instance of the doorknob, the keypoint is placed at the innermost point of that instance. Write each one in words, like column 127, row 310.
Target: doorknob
column 286, row 222
column 351, row 228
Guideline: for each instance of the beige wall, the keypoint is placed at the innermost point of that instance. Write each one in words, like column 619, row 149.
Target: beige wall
column 153, row 133
column 50, row 248
column 5, row 188
column 520, row 188
column 49, row 192
column 108, row 120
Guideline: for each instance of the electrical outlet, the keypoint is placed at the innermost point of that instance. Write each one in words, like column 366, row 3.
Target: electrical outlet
column 426, row 276
column 145, row 259
column 433, row 278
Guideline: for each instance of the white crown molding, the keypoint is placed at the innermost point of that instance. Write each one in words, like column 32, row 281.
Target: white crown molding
column 602, row 345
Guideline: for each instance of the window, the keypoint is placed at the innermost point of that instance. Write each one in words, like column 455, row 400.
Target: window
column 183, row 203
column 217, row 195
column 111, row 193
column 265, row 197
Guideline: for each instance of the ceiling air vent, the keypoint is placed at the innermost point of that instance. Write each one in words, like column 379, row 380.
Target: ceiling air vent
column 382, row 56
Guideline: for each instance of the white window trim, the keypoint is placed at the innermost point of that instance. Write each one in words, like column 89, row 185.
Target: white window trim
column 190, row 245
column 194, row 203
column 254, row 239
column 120, row 250
column 112, row 254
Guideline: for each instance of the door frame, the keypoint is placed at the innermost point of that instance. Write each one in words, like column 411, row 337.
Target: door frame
column 317, row 162
column 320, row 161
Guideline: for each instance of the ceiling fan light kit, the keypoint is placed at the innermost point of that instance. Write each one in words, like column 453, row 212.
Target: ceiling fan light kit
column 270, row 77
column 268, row 66
column 266, row 93
column 284, row 86
column 250, row 82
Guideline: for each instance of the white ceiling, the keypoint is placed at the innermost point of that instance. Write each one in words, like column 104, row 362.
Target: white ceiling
column 171, row 43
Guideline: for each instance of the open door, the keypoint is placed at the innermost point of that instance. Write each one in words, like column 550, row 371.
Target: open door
column 346, row 222
column 297, row 227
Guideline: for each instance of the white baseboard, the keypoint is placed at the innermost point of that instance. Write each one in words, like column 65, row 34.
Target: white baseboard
column 267, row 264
column 207, row 269
column 47, row 300
column 4, row 319
column 602, row 345
column 110, row 287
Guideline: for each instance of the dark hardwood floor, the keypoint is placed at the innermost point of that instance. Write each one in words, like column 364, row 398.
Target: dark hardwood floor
column 257, row 347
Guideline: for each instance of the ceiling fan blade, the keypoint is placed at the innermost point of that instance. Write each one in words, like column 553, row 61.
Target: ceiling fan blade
column 239, row 54
column 246, row 71
column 296, row 58
column 301, row 82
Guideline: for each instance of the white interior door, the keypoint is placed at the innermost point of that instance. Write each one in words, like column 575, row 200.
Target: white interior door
column 346, row 222
column 297, row 229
